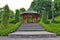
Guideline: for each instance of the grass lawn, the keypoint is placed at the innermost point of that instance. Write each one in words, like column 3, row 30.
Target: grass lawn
column 54, row 28
column 10, row 29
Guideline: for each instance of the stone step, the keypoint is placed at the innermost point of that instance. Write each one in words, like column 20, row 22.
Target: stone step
column 32, row 34
column 31, row 30
column 30, row 27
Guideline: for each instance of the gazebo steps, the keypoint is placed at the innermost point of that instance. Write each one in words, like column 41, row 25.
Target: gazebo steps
column 32, row 34
column 30, row 27
column 30, row 30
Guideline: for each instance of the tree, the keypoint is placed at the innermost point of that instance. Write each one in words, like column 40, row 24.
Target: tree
column 6, row 16
column 44, row 17
column 22, row 10
column 40, row 5
column 57, row 7
column 44, row 6
column 17, row 16
column 1, row 12
column 11, row 15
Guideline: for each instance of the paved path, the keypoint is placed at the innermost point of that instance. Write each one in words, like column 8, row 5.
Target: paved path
column 9, row 38
column 30, row 27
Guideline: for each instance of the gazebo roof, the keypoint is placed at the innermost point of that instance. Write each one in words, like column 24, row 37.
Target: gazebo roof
column 30, row 12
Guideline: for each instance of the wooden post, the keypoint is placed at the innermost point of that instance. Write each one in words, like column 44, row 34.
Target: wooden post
column 33, row 20
column 22, row 19
column 26, row 20
column 36, row 20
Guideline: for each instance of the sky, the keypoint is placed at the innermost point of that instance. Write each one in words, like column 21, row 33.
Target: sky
column 16, row 4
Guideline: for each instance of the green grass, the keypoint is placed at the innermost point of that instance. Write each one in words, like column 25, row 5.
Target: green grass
column 57, row 19
column 10, row 29
column 54, row 28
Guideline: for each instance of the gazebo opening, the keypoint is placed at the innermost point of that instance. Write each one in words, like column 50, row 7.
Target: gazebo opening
column 29, row 20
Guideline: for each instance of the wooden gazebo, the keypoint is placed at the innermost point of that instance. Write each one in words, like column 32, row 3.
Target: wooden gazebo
column 30, row 14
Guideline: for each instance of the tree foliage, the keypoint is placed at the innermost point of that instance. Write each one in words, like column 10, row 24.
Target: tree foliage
column 22, row 10
column 11, row 15
column 40, row 5
column 57, row 7
column 17, row 16
column 5, row 16
column 46, row 6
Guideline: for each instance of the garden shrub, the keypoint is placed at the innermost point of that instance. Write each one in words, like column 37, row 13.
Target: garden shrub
column 13, row 22
column 10, row 29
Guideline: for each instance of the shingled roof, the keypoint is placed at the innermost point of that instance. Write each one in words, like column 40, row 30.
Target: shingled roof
column 30, row 12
